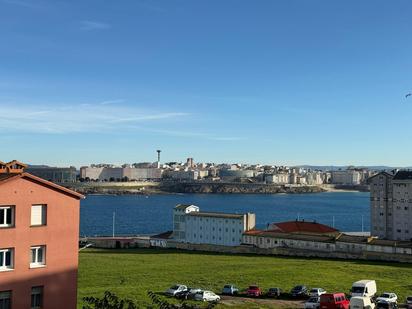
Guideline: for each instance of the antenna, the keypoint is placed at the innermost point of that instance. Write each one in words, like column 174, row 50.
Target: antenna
column 158, row 157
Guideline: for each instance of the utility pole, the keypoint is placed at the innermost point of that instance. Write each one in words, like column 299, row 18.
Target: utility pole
column 114, row 217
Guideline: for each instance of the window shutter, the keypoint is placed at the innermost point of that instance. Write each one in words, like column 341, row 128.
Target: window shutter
column 37, row 215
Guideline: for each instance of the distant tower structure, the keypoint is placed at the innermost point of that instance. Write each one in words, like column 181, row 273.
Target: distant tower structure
column 158, row 158
column 189, row 162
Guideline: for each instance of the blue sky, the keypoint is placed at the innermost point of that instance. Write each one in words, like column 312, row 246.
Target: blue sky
column 279, row 82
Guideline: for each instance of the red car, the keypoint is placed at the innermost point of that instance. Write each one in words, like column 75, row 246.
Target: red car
column 334, row 301
column 254, row 291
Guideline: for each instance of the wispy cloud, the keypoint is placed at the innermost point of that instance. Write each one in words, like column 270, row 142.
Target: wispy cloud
column 91, row 25
column 24, row 3
column 78, row 118
column 117, row 101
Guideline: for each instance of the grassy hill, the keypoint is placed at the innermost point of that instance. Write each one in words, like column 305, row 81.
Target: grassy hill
column 131, row 273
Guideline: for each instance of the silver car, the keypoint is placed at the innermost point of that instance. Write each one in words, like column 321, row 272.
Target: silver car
column 175, row 289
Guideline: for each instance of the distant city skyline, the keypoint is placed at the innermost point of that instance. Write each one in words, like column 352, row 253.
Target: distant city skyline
column 285, row 83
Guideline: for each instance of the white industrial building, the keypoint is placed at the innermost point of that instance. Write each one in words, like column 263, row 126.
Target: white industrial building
column 347, row 177
column 108, row 173
column 191, row 225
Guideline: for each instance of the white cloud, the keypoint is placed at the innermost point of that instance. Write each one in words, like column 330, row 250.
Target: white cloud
column 77, row 118
column 90, row 25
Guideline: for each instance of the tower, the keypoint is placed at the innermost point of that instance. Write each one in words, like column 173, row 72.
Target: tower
column 158, row 158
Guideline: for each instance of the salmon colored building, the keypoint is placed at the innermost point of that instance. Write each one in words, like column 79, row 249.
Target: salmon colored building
column 39, row 234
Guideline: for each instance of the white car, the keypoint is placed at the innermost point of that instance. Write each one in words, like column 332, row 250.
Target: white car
column 387, row 297
column 175, row 289
column 207, row 296
column 316, row 292
column 312, row 303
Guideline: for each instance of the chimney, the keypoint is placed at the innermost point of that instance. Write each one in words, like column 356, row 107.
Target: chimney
column 13, row 167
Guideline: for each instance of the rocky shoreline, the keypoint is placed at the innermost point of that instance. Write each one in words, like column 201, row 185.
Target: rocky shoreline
column 199, row 188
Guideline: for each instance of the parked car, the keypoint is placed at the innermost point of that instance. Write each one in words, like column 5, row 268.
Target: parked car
column 299, row 291
column 316, row 292
column 207, row 296
column 312, row 303
column 334, row 301
column 175, row 289
column 361, row 302
column 365, row 288
column 409, row 302
column 254, row 291
column 388, row 297
column 188, row 294
column 230, row 289
column 274, row 292
column 386, row 305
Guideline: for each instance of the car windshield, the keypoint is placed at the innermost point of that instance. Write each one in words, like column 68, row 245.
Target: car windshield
column 227, row 286
column 175, row 287
column 358, row 289
column 253, row 287
column 409, row 298
column 313, row 300
column 298, row 287
column 273, row 289
column 314, row 290
column 385, row 295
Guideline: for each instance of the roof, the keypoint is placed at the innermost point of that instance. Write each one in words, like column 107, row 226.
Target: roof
column 165, row 235
column 183, row 206
column 9, row 177
column 386, row 174
column 403, row 175
column 215, row 215
column 303, row 227
column 276, row 234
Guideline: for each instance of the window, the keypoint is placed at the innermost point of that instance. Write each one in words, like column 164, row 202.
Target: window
column 36, row 297
column 6, row 216
column 5, row 299
column 38, row 256
column 38, row 215
column 6, row 259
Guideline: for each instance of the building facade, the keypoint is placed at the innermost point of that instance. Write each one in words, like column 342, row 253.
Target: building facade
column 39, row 234
column 190, row 225
column 391, row 205
column 103, row 173
column 381, row 205
column 54, row 174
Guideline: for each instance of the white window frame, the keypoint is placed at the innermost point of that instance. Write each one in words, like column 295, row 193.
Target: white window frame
column 43, row 215
column 37, row 263
column 5, row 267
column 11, row 208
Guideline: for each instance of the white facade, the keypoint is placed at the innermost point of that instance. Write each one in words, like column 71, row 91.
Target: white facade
column 119, row 173
column 348, row 177
column 192, row 226
column 280, row 178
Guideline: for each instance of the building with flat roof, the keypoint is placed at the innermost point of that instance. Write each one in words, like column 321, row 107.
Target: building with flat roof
column 191, row 225
column 54, row 174
column 39, row 236
column 391, row 205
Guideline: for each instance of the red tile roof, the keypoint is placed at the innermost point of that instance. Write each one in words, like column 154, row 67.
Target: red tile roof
column 303, row 227
column 9, row 177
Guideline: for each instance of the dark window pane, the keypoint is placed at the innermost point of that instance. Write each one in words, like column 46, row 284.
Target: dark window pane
column 1, row 259
column 8, row 216
column 8, row 258
column 2, row 216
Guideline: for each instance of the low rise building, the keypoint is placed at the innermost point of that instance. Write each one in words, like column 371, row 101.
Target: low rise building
column 39, row 237
column 109, row 173
column 191, row 225
column 54, row 174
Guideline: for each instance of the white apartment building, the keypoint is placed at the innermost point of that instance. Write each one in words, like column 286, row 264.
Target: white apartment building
column 191, row 225
column 348, row 177
column 391, row 205
column 279, row 178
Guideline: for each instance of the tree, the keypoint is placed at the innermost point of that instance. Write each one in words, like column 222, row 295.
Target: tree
column 109, row 301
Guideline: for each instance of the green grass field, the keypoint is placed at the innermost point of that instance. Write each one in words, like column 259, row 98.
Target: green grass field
column 131, row 273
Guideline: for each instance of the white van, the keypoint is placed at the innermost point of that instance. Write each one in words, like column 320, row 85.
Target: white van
column 364, row 288
column 360, row 302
